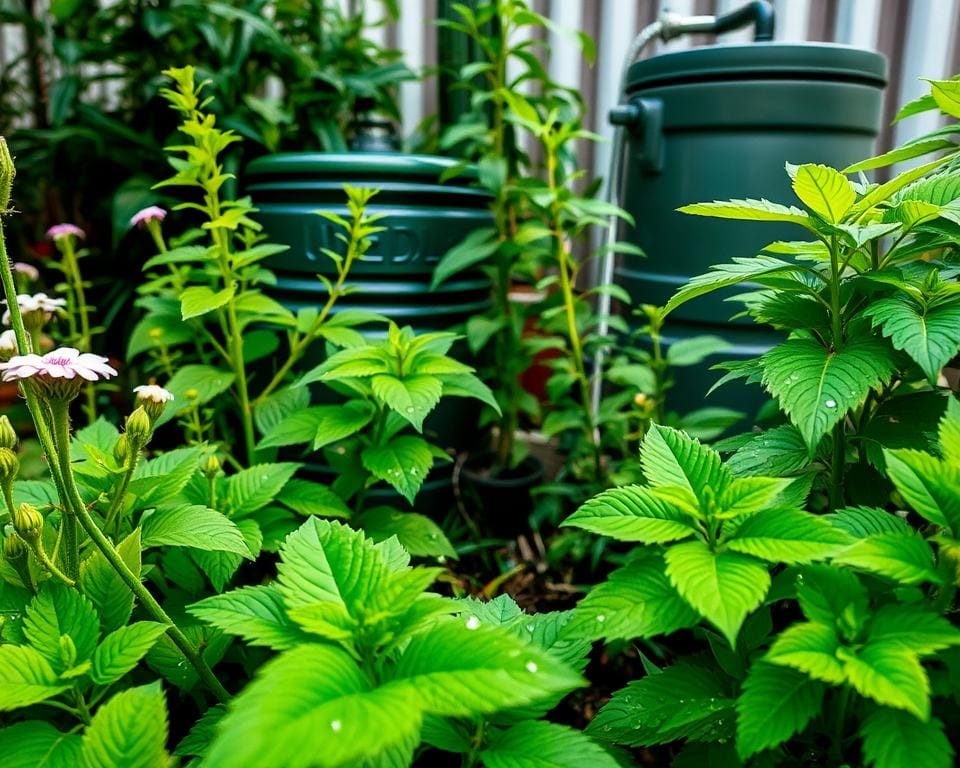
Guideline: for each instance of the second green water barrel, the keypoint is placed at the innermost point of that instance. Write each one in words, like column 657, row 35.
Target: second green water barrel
column 718, row 123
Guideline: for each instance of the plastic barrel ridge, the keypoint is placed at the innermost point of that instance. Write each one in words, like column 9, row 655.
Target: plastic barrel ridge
column 718, row 123
column 423, row 218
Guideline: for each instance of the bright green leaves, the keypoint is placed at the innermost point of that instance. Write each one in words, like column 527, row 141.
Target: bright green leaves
column 534, row 744
column 130, row 730
column 735, row 525
column 817, row 387
column 947, row 95
column 929, row 335
column 104, row 587
column 635, row 601
column 403, row 462
column 257, row 614
column 896, row 739
column 723, row 586
column 120, row 651
column 199, row 300
column 930, row 485
column 749, row 210
column 26, row 677
column 62, row 625
column 824, row 191
column 776, row 703
column 412, row 397
column 788, row 536
column 682, row 701
column 632, row 513
column 315, row 705
column 35, row 744
column 196, row 526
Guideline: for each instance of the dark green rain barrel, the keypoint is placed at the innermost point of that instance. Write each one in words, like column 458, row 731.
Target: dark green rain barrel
column 423, row 217
column 717, row 123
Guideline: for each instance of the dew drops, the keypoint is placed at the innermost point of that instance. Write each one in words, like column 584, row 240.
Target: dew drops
column 410, row 409
column 831, row 403
column 530, row 627
column 601, row 618
column 532, row 666
column 335, row 726
column 473, row 622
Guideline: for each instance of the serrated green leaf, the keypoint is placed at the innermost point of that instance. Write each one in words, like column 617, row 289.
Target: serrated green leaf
column 749, row 495
column 203, row 381
column 417, row 534
column 456, row 670
column 817, row 387
column 336, row 422
column 478, row 245
column 538, row 744
column 59, row 610
column 635, row 601
column 889, row 674
column 308, row 498
column 778, row 451
column 682, row 701
column 829, row 596
column 927, row 484
column 776, row 703
column 34, row 744
column 199, row 300
column 257, row 614
column 867, row 521
column 824, row 190
column 906, row 152
column 313, row 707
column 412, row 397
column 25, row 678
column 740, row 270
column 632, row 513
column 810, row 648
column 403, row 463
column 723, row 586
column 129, row 731
column 120, row 651
column 931, row 337
column 100, row 582
column 251, row 489
column 947, row 95
column 201, row 736
column 749, row 210
column 671, row 458
column 914, row 627
column 896, row 739
column 163, row 478
column 468, row 385
column 193, row 525
column 787, row 536
column 904, row 557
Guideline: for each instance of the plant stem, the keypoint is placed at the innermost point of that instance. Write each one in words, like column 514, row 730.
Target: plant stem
column 837, row 464
column 73, row 275
column 116, row 503
column 61, row 421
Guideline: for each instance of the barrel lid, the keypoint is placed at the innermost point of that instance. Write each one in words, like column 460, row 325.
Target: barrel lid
column 392, row 166
column 819, row 61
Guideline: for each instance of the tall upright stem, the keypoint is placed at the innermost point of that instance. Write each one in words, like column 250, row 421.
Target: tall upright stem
column 72, row 269
column 838, row 459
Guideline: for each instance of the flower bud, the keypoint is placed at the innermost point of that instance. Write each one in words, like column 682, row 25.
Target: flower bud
column 153, row 399
column 28, row 523
column 14, row 550
column 8, row 437
column 139, row 427
column 9, row 467
column 211, row 467
column 7, row 174
column 121, row 450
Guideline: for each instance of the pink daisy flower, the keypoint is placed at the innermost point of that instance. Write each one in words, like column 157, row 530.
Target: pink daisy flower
column 148, row 214
column 36, row 304
column 65, row 230
column 64, row 363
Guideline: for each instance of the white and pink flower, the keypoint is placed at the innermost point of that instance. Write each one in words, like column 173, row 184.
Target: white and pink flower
column 8, row 344
column 58, row 231
column 64, row 363
column 152, row 393
column 39, row 306
column 147, row 215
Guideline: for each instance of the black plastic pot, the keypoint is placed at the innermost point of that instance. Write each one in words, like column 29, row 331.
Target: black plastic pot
column 503, row 502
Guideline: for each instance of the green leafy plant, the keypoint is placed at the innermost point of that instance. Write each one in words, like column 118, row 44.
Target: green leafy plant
column 209, row 297
column 369, row 664
column 390, row 386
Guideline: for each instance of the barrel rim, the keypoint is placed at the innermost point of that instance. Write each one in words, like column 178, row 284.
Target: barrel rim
column 767, row 60
column 387, row 165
